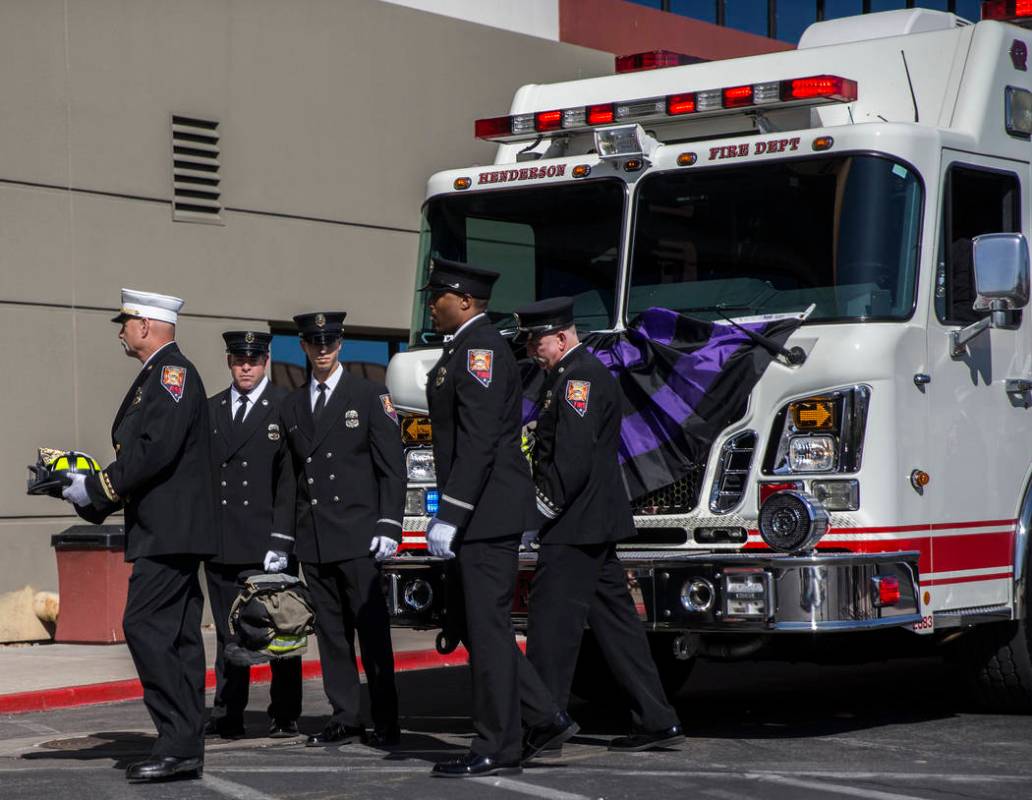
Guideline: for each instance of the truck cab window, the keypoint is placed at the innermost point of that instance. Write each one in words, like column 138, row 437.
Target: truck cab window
column 977, row 201
column 840, row 233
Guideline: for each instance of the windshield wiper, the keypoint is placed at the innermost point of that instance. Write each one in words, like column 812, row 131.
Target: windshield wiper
column 795, row 355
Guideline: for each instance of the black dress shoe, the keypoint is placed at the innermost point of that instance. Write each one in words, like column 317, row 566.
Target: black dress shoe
column 220, row 729
column 335, row 733
column 283, row 729
column 473, row 765
column 383, row 737
column 552, row 734
column 647, row 740
column 160, row 768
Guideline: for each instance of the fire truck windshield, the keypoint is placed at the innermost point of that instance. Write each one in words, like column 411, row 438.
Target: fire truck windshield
column 545, row 241
column 840, row 232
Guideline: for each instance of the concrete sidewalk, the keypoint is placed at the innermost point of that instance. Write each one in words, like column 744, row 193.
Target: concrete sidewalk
column 44, row 676
column 26, row 668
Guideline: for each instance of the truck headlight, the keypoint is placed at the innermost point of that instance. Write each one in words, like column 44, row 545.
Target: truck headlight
column 811, row 453
column 419, row 465
column 792, row 521
column 820, row 433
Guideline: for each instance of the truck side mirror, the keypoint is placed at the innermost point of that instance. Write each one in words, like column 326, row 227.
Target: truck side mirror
column 1001, row 284
column 1001, row 272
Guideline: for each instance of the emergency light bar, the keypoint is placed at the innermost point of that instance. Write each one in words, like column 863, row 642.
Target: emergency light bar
column 1006, row 9
column 814, row 90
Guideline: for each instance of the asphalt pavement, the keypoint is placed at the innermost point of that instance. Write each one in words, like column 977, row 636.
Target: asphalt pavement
column 883, row 731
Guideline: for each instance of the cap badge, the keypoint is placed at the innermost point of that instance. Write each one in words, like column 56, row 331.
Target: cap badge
column 320, row 320
column 249, row 337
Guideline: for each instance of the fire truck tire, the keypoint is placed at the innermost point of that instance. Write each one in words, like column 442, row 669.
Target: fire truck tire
column 1000, row 666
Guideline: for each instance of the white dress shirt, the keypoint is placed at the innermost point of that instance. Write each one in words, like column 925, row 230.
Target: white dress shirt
column 253, row 397
column 331, row 384
column 463, row 326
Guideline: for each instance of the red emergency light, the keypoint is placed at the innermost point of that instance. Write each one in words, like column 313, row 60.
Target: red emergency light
column 601, row 114
column 811, row 90
column 885, row 590
column 1006, row 9
column 653, row 59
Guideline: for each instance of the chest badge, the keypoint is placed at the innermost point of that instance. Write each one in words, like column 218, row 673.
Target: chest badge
column 577, row 393
column 174, row 381
column 439, row 378
column 274, row 432
column 351, row 418
column 480, row 364
column 548, row 399
column 388, row 407
column 138, row 397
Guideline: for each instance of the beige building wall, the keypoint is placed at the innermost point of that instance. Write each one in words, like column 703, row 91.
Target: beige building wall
column 332, row 115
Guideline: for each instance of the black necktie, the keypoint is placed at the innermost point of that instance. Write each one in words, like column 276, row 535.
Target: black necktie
column 241, row 410
column 320, row 401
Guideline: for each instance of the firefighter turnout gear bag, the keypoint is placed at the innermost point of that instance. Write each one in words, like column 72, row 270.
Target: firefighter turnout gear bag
column 270, row 619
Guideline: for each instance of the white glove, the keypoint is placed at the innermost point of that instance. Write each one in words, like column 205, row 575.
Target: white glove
column 383, row 547
column 275, row 561
column 439, row 537
column 529, row 539
column 75, row 492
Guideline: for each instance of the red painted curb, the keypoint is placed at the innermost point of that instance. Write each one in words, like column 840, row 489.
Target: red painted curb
column 118, row 691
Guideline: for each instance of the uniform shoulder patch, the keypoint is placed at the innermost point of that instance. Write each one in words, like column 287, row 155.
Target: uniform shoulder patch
column 577, row 393
column 174, row 381
column 480, row 364
column 388, row 407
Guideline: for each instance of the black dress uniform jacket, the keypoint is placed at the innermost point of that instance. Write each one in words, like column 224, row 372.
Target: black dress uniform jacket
column 482, row 474
column 580, row 494
column 161, row 474
column 350, row 473
column 250, row 460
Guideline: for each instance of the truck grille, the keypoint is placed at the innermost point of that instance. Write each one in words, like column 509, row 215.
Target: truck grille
column 732, row 472
column 679, row 497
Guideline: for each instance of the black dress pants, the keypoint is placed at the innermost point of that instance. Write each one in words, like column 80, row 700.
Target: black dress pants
column 506, row 688
column 233, row 682
column 162, row 625
column 574, row 585
column 348, row 598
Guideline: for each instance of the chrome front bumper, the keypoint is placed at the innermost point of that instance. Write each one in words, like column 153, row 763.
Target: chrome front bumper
column 736, row 592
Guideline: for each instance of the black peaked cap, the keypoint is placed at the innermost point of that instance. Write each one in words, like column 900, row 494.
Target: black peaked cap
column 454, row 276
column 552, row 314
column 247, row 343
column 321, row 326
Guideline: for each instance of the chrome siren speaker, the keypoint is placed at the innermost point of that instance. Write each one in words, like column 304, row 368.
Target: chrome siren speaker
column 792, row 521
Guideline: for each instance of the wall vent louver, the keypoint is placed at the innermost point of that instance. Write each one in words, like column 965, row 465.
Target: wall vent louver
column 196, row 181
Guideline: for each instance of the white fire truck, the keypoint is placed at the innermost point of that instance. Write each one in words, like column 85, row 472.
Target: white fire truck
column 875, row 181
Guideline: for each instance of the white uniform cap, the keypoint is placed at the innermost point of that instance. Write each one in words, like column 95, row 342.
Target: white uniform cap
column 148, row 305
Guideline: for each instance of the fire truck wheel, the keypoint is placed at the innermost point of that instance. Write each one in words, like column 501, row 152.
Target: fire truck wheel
column 999, row 661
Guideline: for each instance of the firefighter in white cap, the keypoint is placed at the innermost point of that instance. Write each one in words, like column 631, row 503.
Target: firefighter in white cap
column 162, row 478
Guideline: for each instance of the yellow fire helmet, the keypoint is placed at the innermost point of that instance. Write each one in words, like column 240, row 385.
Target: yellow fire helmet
column 52, row 468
